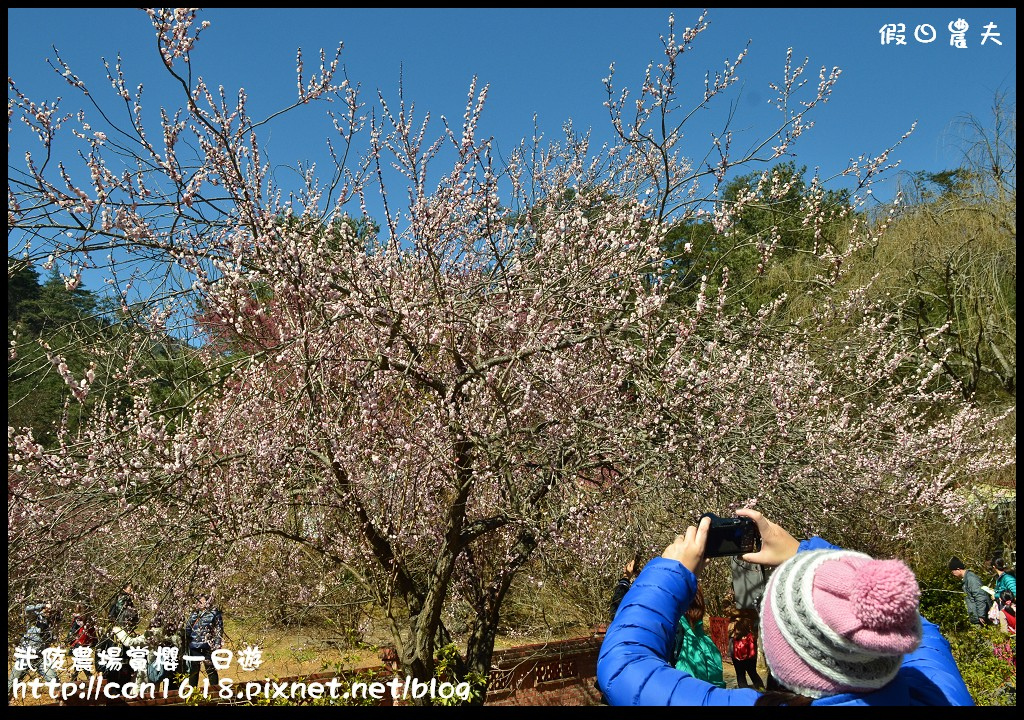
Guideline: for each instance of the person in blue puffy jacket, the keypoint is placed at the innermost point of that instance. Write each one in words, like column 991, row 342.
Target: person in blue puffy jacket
column 837, row 628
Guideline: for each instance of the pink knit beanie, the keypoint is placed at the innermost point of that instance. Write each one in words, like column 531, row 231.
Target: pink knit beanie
column 837, row 621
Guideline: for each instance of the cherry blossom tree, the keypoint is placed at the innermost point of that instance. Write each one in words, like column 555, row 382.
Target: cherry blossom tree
column 494, row 376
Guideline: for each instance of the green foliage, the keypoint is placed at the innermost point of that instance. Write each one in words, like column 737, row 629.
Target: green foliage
column 47, row 322
column 944, row 268
column 49, row 306
column 942, row 600
column 448, row 661
column 987, row 661
column 948, row 261
column 950, row 265
column 932, row 186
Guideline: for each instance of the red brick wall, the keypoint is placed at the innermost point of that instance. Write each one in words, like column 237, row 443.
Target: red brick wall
column 555, row 673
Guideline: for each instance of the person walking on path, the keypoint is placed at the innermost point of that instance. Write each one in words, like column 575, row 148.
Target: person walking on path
column 743, row 651
column 975, row 597
column 205, row 630
column 28, row 655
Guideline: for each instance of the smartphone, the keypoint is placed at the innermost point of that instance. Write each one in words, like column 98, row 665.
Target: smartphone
column 731, row 536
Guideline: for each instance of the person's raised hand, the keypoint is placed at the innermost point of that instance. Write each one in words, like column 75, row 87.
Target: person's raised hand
column 629, row 570
column 688, row 548
column 777, row 545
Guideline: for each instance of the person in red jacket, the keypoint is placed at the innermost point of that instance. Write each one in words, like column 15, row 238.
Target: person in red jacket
column 743, row 650
column 1009, row 610
column 82, row 634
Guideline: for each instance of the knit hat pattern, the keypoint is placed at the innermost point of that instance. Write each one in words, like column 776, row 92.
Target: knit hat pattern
column 838, row 621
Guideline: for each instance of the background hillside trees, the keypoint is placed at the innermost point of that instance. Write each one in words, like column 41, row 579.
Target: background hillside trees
column 48, row 329
column 781, row 226
column 951, row 259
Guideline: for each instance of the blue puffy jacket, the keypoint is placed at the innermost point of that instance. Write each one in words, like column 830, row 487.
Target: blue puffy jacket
column 633, row 667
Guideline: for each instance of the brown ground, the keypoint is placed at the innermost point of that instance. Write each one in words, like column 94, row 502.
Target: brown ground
column 292, row 653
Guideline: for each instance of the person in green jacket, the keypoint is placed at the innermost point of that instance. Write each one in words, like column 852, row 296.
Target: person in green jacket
column 975, row 597
column 695, row 651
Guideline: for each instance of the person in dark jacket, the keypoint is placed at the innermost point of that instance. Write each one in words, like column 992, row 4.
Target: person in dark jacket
column 115, row 648
column 39, row 621
column 123, row 607
column 165, row 640
column 205, row 631
column 837, row 628
column 974, row 594
column 622, row 585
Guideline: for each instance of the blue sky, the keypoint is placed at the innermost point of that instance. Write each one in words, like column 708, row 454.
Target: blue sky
column 550, row 62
